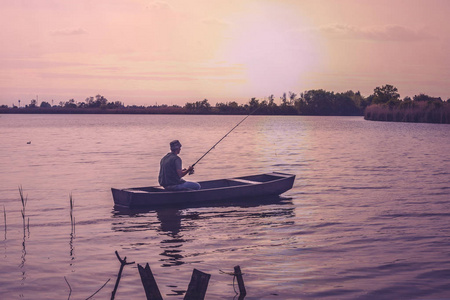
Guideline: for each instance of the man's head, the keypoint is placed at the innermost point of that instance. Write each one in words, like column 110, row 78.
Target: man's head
column 175, row 145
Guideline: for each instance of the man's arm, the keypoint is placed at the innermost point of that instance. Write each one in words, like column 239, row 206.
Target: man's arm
column 184, row 172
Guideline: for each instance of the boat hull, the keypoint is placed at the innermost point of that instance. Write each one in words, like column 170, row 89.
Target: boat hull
column 268, row 184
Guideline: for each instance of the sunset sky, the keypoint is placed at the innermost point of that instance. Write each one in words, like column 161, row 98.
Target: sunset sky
column 145, row 52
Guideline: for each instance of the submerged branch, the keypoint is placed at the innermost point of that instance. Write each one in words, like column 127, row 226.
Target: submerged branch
column 123, row 263
column 99, row 289
column 70, row 288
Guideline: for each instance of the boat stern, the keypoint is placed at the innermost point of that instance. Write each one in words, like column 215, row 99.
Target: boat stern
column 121, row 197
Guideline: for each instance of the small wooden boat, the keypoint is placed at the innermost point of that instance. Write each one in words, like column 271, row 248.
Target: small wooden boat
column 268, row 184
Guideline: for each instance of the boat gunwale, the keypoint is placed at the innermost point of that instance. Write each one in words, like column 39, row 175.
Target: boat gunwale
column 162, row 191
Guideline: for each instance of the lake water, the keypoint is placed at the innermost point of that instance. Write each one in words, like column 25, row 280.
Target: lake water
column 368, row 216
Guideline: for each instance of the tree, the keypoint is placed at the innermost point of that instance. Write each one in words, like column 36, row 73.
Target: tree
column 271, row 100
column 70, row 104
column 116, row 104
column 198, row 106
column 234, row 105
column 253, row 104
column 407, row 99
column 385, row 94
column 203, row 105
column 45, row 104
column 90, row 102
column 318, row 102
column 283, row 100
column 230, row 107
column 100, row 101
column 344, row 105
column 189, row 106
column 426, row 98
column 33, row 103
column 292, row 97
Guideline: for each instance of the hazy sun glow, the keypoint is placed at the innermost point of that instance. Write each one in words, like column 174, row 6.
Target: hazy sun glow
column 271, row 49
column 145, row 52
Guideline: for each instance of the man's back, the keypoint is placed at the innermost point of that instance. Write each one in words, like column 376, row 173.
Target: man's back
column 168, row 175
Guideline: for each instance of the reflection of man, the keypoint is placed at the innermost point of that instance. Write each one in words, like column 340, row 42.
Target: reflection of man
column 171, row 172
column 170, row 219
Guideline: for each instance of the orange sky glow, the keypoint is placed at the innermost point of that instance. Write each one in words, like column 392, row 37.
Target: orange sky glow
column 175, row 51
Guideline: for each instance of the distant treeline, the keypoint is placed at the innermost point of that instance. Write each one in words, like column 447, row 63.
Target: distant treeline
column 314, row 102
column 378, row 106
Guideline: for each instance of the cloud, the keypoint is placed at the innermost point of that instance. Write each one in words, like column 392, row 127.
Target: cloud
column 68, row 31
column 155, row 77
column 160, row 6
column 36, row 64
column 218, row 72
column 384, row 33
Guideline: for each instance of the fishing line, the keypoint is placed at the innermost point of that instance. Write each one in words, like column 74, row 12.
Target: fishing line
column 224, row 136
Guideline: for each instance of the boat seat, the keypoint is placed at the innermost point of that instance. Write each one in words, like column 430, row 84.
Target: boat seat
column 136, row 191
column 245, row 181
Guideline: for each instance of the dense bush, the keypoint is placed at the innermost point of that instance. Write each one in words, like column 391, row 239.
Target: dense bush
column 412, row 111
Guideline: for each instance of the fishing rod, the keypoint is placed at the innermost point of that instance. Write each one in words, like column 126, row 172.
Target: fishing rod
column 224, row 137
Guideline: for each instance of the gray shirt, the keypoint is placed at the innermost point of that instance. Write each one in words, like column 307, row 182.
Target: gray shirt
column 168, row 174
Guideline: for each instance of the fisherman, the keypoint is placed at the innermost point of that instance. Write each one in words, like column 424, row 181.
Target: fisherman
column 171, row 172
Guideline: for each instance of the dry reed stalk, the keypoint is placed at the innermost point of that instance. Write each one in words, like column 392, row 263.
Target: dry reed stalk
column 72, row 218
column 24, row 201
column 70, row 288
column 421, row 112
column 4, row 218
column 98, row 289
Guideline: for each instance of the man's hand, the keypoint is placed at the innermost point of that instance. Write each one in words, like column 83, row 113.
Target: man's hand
column 190, row 170
column 185, row 171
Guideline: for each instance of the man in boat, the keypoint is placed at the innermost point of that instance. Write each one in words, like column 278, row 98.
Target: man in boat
column 171, row 172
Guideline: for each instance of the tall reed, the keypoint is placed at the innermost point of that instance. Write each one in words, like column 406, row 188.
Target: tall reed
column 4, row 218
column 419, row 112
column 24, row 201
column 72, row 218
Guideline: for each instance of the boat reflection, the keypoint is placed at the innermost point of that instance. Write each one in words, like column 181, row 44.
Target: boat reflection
column 171, row 223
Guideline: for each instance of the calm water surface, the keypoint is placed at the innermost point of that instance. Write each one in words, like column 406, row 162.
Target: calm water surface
column 368, row 217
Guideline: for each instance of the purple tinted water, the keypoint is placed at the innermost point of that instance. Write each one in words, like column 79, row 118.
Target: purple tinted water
column 368, row 217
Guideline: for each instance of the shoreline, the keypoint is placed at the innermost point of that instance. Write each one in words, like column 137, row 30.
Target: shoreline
column 417, row 113
column 149, row 111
